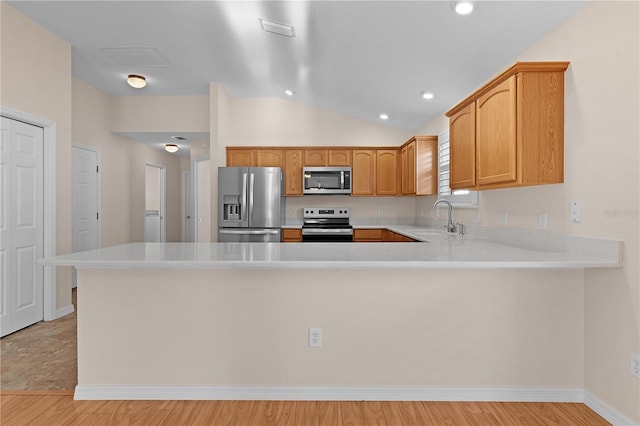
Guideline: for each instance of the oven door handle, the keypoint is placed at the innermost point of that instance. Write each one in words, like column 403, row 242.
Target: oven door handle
column 326, row 231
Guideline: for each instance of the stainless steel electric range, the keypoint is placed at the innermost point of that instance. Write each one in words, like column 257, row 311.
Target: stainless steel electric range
column 326, row 224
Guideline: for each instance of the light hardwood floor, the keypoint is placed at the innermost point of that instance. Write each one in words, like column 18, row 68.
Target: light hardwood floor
column 59, row 408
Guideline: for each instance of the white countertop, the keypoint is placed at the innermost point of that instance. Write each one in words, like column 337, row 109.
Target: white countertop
column 437, row 251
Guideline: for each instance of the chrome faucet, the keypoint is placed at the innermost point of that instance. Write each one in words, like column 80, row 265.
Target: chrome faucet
column 450, row 226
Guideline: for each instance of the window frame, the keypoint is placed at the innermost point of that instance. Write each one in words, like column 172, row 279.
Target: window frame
column 457, row 198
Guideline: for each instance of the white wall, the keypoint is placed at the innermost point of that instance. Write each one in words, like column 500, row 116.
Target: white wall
column 601, row 172
column 27, row 50
column 123, row 169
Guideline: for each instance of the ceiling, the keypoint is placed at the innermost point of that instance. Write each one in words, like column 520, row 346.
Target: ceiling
column 359, row 58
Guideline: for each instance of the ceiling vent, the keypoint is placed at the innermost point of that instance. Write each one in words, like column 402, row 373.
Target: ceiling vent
column 276, row 28
column 137, row 56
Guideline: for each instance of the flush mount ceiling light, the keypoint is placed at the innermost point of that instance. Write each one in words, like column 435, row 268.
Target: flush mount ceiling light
column 136, row 81
column 276, row 28
column 427, row 95
column 171, row 147
column 288, row 92
column 384, row 117
column 463, row 7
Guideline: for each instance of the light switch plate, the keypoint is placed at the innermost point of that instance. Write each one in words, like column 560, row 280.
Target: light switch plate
column 576, row 212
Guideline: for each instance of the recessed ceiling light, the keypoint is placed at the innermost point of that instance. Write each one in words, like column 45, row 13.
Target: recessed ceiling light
column 136, row 81
column 288, row 92
column 276, row 28
column 427, row 95
column 171, row 147
column 179, row 138
column 384, row 117
column 463, row 7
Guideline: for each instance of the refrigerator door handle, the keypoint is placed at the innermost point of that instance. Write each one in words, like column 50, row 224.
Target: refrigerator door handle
column 248, row 231
column 243, row 206
column 251, row 181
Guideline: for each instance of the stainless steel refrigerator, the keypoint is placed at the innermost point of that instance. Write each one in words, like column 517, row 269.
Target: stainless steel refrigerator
column 250, row 204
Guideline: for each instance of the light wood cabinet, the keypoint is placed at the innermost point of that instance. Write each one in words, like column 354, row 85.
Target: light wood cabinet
column 241, row 157
column 291, row 235
column 270, row 158
column 462, row 148
column 340, row 157
column 516, row 137
column 387, row 171
column 293, row 172
column 367, row 235
column 363, row 173
column 315, row 157
column 408, row 168
column 419, row 166
column 375, row 235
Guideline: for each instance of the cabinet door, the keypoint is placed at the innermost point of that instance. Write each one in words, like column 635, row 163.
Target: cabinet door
column 340, row 157
column 408, row 168
column 293, row 172
column 241, row 157
column 462, row 148
column 426, row 168
column 269, row 158
column 364, row 172
column 291, row 235
column 496, row 134
column 387, row 172
column 367, row 235
column 315, row 157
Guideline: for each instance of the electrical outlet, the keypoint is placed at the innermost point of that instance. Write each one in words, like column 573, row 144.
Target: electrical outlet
column 542, row 221
column 504, row 219
column 576, row 212
column 635, row 365
column 293, row 212
column 380, row 212
column 315, row 337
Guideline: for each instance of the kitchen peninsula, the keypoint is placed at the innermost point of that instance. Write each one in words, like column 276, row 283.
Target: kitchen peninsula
column 448, row 317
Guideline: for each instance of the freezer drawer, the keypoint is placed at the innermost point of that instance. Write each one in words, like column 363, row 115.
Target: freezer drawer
column 249, row 235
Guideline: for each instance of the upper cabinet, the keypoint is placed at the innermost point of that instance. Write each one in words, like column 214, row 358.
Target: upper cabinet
column 387, row 171
column 340, row 157
column 383, row 171
column 363, row 173
column 462, row 148
column 315, row 157
column 270, row 158
column 419, row 166
column 511, row 131
column 241, row 157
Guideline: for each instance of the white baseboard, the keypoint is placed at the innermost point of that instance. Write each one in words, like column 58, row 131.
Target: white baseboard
column 326, row 393
column 606, row 412
column 69, row 309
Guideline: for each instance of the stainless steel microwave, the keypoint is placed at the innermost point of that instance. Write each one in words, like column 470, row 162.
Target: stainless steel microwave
column 326, row 180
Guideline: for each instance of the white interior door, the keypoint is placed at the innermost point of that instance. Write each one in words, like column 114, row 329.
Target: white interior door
column 85, row 199
column 187, row 197
column 21, row 225
column 154, row 203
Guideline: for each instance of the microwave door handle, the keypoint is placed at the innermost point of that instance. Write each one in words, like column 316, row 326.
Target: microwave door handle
column 243, row 208
column 251, row 181
column 342, row 180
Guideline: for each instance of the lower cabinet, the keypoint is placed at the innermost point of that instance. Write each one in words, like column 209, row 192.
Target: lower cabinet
column 291, row 235
column 373, row 235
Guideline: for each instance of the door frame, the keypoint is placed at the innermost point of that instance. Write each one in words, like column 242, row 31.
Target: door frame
column 50, row 311
column 187, row 205
column 163, row 196
column 98, row 184
column 196, row 200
